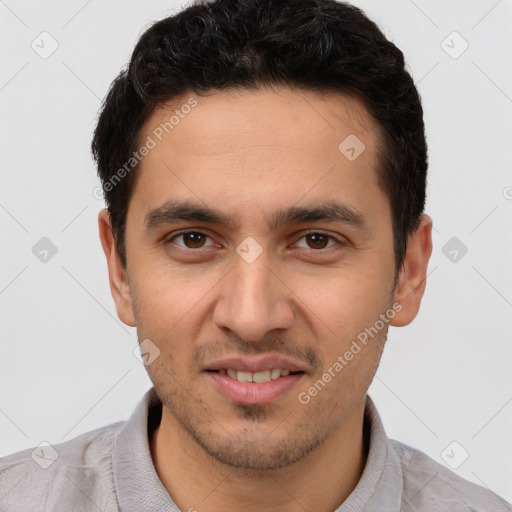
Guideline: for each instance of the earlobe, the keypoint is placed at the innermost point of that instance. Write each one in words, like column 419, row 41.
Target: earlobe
column 119, row 286
column 412, row 279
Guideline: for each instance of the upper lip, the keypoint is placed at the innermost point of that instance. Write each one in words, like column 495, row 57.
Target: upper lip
column 255, row 364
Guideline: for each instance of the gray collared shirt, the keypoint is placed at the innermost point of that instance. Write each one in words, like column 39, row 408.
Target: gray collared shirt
column 110, row 469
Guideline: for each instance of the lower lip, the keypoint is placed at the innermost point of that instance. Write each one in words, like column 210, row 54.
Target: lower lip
column 253, row 392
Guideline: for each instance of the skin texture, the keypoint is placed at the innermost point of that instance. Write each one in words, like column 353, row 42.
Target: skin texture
column 249, row 153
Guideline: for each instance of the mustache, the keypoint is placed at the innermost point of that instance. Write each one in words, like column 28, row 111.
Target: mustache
column 270, row 344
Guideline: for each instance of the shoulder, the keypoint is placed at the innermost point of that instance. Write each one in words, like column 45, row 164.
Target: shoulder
column 78, row 471
column 428, row 485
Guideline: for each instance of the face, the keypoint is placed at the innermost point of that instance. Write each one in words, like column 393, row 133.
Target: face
column 254, row 244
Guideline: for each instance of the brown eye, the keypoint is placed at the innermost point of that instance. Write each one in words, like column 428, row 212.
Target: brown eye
column 317, row 240
column 190, row 240
column 193, row 240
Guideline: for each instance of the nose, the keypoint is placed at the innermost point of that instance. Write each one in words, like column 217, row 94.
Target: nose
column 254, row 300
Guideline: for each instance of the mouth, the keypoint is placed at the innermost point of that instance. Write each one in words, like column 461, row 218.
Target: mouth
column 254, row 380
column 257, row 377
column 243, row 387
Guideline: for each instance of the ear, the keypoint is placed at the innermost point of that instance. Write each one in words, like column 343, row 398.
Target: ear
column 119, row 286
column 412, row 278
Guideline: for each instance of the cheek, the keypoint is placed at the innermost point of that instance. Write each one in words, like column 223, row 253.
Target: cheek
column 171, row 307
column 343, row 302
column 165, row 294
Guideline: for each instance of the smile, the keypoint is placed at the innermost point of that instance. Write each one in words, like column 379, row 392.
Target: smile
column 262, row 376
column 263, row 387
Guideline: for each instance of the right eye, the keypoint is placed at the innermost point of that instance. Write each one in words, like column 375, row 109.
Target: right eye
column 191, row 240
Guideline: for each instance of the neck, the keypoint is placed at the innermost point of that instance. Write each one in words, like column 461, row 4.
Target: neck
column 321, row 481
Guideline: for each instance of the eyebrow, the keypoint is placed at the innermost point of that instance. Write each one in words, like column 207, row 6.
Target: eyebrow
column 332, row 211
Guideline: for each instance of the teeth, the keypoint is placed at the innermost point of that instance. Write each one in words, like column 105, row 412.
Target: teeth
column 244, row 376
column 263, row 376
column 276, row 373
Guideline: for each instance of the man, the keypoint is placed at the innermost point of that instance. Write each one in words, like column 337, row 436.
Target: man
column 264, row 167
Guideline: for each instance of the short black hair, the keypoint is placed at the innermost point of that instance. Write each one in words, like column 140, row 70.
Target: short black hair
column 311, row 45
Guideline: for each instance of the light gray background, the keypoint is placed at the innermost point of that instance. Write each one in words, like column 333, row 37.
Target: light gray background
column 67, row 363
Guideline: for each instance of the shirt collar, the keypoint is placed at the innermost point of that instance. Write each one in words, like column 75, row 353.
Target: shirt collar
column 135, row 478
column 139, row 488
column 381, row 484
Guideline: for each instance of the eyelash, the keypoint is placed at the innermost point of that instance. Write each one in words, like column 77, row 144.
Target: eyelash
column 312, row 232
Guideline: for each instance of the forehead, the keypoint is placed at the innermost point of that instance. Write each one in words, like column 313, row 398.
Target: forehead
column 291, row 116
column 276, row 144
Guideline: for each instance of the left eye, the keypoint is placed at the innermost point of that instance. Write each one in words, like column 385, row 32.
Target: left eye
column 318, row 241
